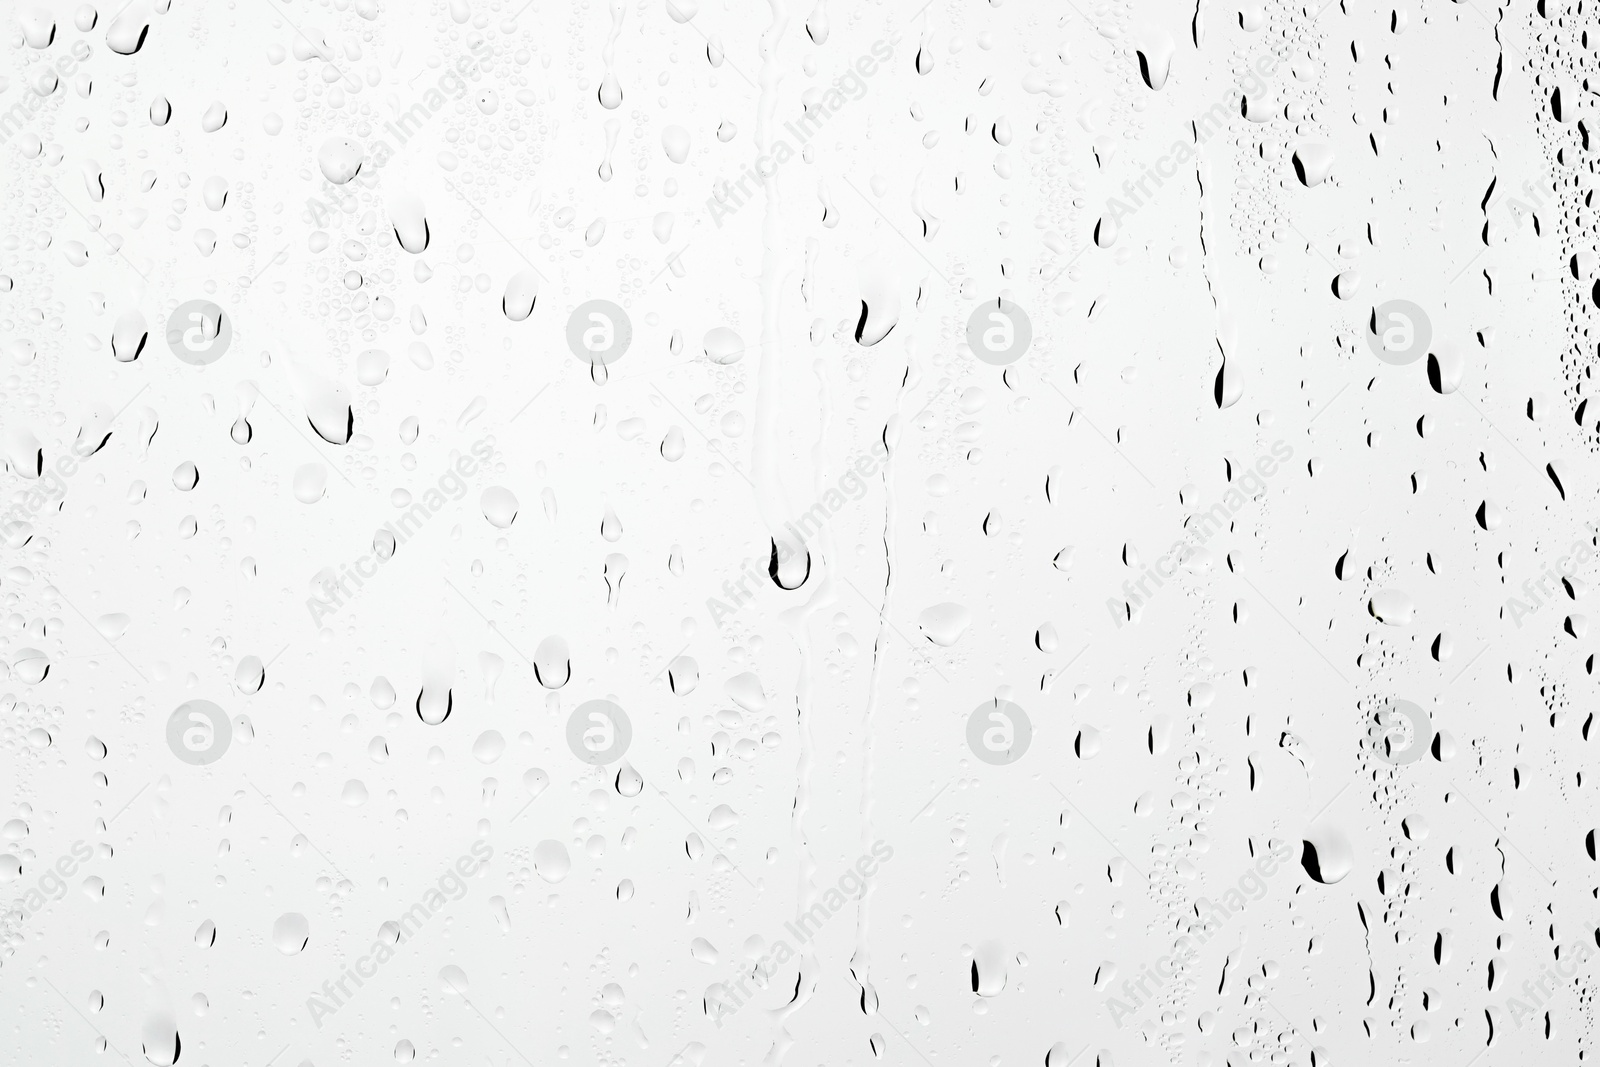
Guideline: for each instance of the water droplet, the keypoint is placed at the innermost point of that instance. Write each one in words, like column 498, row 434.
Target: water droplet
column 880, row 302
column 989, row 969
column 817, row 23
column 159, row 1037
column 489, row 746
column 249, row 675
column 128, row 336
column 551, row 861
column 327, row 406
column 30, row 666
column 552, row 663
column 675, row 141
column 453, row 980
column 1326, row 854
column 291, row 933
column 409, row 222
column 522, row 291
column 745, row 690
column 339, row 159
column 372, row 367
column 683, row 674
column 628, row 783
column 723, row 346
column 215, row 118
column 1392, row 607
column 127, row 31
column 499, row 506
column 943, row 624
column 1313, row 163
column 672, row 445
column 310, row 482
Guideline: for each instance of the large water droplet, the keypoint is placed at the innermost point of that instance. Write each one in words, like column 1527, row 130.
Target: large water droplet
column 522, row 291
column 327, row 405
column 723, row 346
column 339, row 159
column 409, row 222
column 880, row 302
column 499, row 506
column 552, row 663
column 551, row 861
column 126, row 33
column 215, row 118
column 1313, row 163
column 310, row 482
column 943, row 624
column 989, row 969
column 128, row 336
column 745, row 690
column 683, row 674
column 1326, row 853
column 291, row 933
column 489, row 746
column 159, row 1038
column 249, row 675
column 675, row 141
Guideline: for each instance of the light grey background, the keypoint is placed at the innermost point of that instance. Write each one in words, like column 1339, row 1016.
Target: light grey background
column 987, row 528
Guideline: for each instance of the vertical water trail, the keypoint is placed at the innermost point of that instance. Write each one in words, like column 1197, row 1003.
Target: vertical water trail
column 798, row 619
column 860, row 960
column 790, row 562
column 1225, row 390
column 610, row 94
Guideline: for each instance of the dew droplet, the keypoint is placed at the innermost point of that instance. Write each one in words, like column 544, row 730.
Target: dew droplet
column 723, row 346
column 522, row 291
column 499, row 506
column 943, row 624
column 339, row 159
column 291, row 933
column 551, row 861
